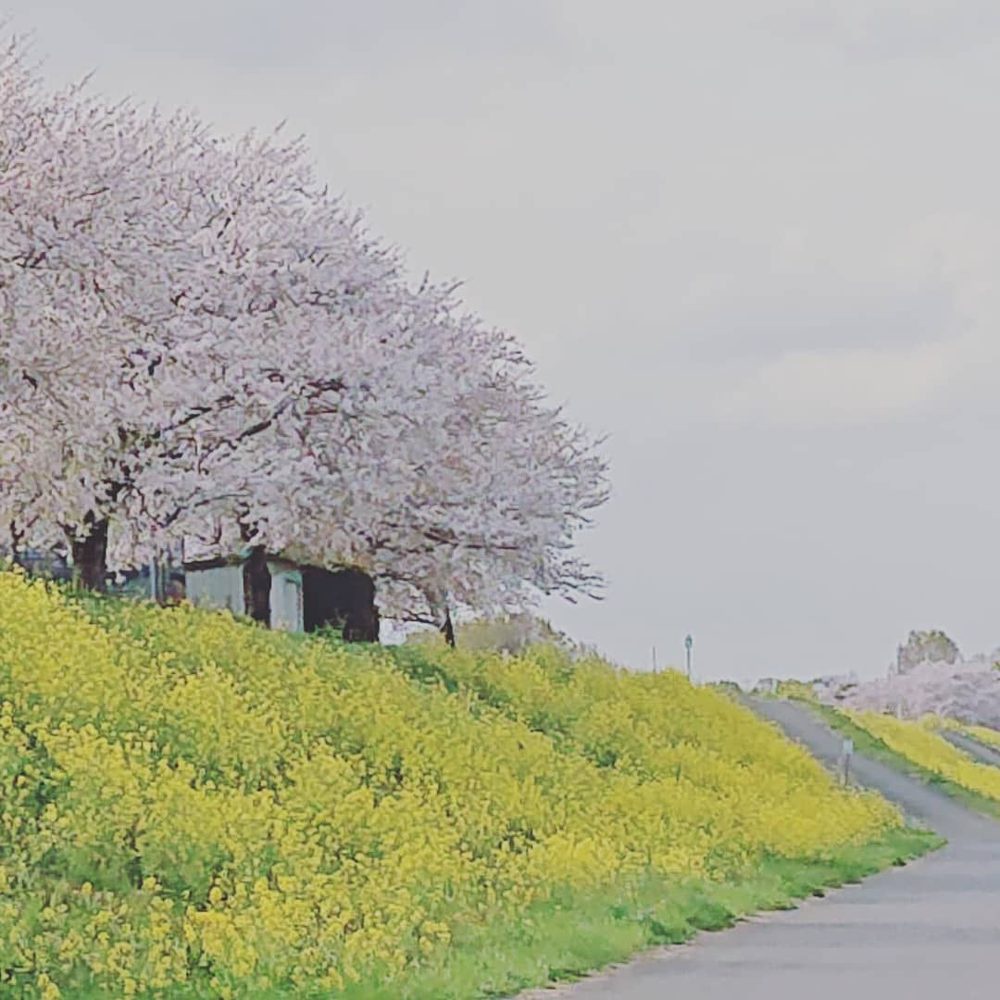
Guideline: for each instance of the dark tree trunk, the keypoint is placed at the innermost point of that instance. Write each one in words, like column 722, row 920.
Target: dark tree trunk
column 447, row 629
column 16, row 537
column 343, row 599
column 257, row 587
column 90, row 554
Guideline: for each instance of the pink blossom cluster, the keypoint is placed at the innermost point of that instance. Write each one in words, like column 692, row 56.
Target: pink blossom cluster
column 965, row 690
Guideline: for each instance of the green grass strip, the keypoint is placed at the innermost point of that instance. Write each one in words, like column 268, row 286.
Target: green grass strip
column 574, row 934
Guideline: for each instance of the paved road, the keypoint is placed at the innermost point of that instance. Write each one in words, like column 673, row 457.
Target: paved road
column 929, row 931
column 980, row 751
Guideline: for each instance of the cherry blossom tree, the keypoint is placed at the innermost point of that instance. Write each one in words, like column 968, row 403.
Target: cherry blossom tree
column 152, row 277
column 198, row 340
column 451, row 484
column 81, row 285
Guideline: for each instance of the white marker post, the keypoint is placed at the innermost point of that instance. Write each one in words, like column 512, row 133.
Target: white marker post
column 846, row 752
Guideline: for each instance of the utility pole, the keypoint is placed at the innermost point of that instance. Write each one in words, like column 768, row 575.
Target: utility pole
column 654, row 659
column 688, row 643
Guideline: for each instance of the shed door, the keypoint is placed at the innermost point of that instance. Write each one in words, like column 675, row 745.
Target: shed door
column 286, row 600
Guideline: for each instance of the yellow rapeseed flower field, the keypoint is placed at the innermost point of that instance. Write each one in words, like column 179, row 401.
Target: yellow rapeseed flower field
column 917, row 741
column 192, row 806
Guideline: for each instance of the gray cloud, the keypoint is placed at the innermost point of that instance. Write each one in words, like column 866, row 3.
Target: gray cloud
column 261, row 35
column 903, row 30
column 826, row 315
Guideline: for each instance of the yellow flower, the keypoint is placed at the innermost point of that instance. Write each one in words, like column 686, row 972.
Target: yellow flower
column 308, row 815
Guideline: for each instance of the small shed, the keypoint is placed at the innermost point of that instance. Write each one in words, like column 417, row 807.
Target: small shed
column 284, row 594
column 222, row 583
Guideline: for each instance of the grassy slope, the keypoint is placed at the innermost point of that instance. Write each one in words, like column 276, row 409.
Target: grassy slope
column 569, row 937
column 573, row 936
column 576, row 933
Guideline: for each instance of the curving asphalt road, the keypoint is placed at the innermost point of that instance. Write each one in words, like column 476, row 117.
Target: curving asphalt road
column 929, row 931
column 980, row 751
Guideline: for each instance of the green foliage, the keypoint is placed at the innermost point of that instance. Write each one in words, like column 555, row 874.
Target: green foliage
column 799, row 690
column 511, row 634
column 931, row 646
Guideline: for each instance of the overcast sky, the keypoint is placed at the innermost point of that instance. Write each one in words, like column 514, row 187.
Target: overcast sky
column 755, row 242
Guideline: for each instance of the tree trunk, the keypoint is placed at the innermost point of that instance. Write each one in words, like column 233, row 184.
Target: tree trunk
column 257, row 587
column 16, row 537
column 90, row 554
column 447, row 629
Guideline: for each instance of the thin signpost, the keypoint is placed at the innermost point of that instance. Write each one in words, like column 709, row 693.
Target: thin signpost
column 846, row 752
